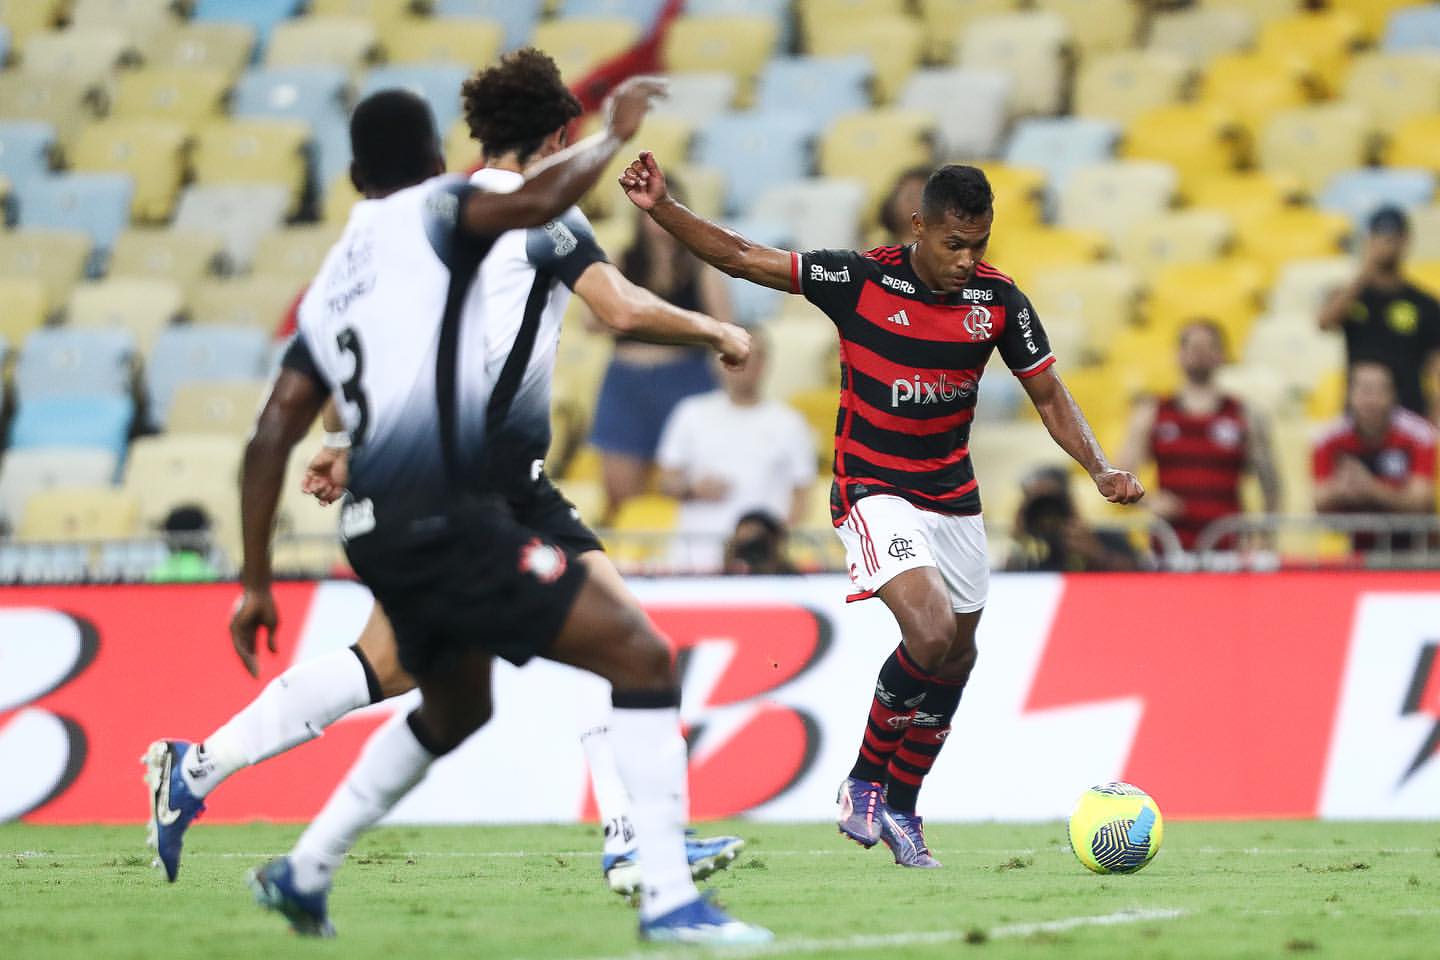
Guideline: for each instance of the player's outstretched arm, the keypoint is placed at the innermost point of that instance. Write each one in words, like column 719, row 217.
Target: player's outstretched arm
column 636, row 312
column 644, row 183
column 554, row 185
column 1062, row 417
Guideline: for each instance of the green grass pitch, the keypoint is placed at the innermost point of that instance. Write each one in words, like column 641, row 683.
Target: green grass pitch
column 1267, row 889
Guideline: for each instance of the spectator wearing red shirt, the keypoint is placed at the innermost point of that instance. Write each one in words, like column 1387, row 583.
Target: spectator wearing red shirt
column 1379, row 457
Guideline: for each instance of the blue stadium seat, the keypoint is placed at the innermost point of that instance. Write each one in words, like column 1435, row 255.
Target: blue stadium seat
column 639, row 12
column 313, row 94
column 262, row 15
column 1059, row 145
column 25, row 149
column 59, row 362
column 438, row 83
column 96, row 203
column 754, row 150
column 751, row 303
column 1357, row 193
column 517, row 16
column 826, row 86
column 99, row 422
column 201, row 353
column 1413, row 28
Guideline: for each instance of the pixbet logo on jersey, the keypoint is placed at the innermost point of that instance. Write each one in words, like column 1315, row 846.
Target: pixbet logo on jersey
column 916, row 390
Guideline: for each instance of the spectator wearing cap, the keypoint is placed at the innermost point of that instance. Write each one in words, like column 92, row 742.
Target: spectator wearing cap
column 1389, row 320
column 1050, row 535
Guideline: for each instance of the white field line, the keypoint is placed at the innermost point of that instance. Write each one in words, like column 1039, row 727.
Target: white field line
column 882, row 941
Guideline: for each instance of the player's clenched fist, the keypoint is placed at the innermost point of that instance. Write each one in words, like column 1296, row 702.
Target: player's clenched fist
column 1119, row 486
column 644, row 182
column 627, row 106
column 733, row 345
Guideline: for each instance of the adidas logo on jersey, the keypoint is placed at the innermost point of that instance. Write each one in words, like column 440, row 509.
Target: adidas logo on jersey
column 900, row 319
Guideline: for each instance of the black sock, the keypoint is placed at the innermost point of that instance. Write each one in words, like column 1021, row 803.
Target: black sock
column 929, row 729
column 898, row 691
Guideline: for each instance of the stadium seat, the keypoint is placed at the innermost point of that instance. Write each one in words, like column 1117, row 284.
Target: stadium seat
column 100, row 423
column 1310, row 355
column 125, row 14
column 148, row 152
column 579, row 45
column 341, row 195
column 1265, row 10
column 346, row 42
column 1425, row 232
column 827, row 87
column 1030, row 47
column 751, row 303
column 1305, row 284
column 1358, row 193
column 1200, row 33
column 258, row 149
column 1201, row 141
column 294, row 252
column 1226, row 291
column 642, row 13
column 201, row 353
column 216, row 406
column 24, row 310
column 1290, row 233
column 1246, row 195
column 1019, row 193
column 25, row 17
column 1099, row 298
column 261, row 16
column 444, row 42
column 385, row 14
column 943, row 19
column 87, row 56
column 875, row 147
column 438, row 83
column 1060, row 145
column 1097, row 27
column 24, row 473
column 66, row 103
column 815, row 16
column 893, row 45
column 753, row 150
column 56, row 258
column 1323, row 40
column 737, row 46
column 805, row 337
column 185, row 95
column 974, row 132
column 220, row 46
column 1315, row 143
column 258, row 302
column 315, row 94
column 824, row 212
column 1110, row 196
column 1372, row 14
column 183, row 257
column 1121, row 86
column 242, row 213
column 1026, row 253
column 165, row 472
column 71, row 514
column 1425, row 274
column 1394, row 86
column 697, row 98
column 820, row 408
column 1415, row 143
column 1255, row 88
column 1414, row 27
column 140, row 305
column 1182, row 236
column 666, row 136
column 26, row 147
column 517, row 17
column 96, row 203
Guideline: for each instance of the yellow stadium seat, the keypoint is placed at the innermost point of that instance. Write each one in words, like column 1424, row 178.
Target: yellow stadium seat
column 472, row 43
column 816, row 16
column 704, row 190
column 820, row 408
column 141, row 305
column 893, row 46
column 124, row 14
column 875, row 146
column 70, row 514
column 1027, row 253
column 578, row 44
column 1243, row 196
column 348, row 42
column 54, row 257
column 1110, row 196
column 1183, row 236
column 1121, row 86
column 87, row 56
column 1202, row 33
column 1097, row 26
column 216, row 407
column 186, row 95
column 667, row 136
column 385, row 14
column 294, row 252
column 220, row 46
column 341, row 194
column 1256, row 87
column 1200, row 140
column 1327, row 399
column 250, row 150
column 1100, row 299
column 24, row 308
column 1425, row 274
column 1324, row 41
column 256, row 301
column 183, row 257
column 1415, row 143
column 1019, row 193
column 1371, row 14
column 1394, row 86
column 169, row 471
column 1029, row 47
column 1292, row 233
column 24, row 18
column 942, row 18
column 647, row 513
column 584, row 467
column 1266, row 10
column 739, row 46
column 150, row 151
column 66, row 103
column 1315, row 143
column 1226, row 291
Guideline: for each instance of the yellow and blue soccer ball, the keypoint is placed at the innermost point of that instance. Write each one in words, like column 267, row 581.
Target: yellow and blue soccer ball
column 1115, row 828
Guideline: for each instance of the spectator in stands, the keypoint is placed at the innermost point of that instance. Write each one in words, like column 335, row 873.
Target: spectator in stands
column 187, row 537
column 902, row 203
column 1378, row 458
column 645, row 381
column 1388, row 319
column 757, row 547
column 1051, row 536
column 1201, row 440
column 728, row 453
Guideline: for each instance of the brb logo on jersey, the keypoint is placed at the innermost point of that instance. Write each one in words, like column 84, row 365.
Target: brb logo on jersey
column 895, row 283
column 978, row 323
column 920, row 391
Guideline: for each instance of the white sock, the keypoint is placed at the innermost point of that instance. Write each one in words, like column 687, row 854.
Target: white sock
column 292, row 709
column 651, row 756
column 610, row 796
column 392, row 762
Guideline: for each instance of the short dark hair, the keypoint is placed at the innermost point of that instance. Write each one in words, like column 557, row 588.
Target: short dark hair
column 1390, row 219
column 393, row 140
column 517, row 103
column 956, row 189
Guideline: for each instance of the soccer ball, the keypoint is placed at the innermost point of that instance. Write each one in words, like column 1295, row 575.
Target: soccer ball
column 1115, row 828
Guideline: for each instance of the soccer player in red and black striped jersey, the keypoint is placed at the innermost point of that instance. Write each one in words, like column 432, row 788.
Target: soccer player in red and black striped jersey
column 917, row 324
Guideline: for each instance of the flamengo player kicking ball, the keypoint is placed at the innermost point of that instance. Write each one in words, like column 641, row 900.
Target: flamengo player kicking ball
column 917, row 324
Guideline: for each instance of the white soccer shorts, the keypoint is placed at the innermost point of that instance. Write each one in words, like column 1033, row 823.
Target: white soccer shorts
column 885, row 536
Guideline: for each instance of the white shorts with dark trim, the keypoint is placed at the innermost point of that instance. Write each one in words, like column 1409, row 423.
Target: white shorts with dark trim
column 885, row 536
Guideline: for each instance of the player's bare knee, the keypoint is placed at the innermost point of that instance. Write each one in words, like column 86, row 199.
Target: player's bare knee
column 929, row 643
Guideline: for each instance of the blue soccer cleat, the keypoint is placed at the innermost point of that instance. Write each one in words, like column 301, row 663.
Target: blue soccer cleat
column 274, row 887
column 859, row 817
column 701, row 922
column 904, row 834
column 707, row 856
column 172, row 806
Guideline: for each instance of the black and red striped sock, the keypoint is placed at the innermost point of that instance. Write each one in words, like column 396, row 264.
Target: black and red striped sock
column 898, row 691
column 928, row 730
